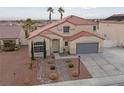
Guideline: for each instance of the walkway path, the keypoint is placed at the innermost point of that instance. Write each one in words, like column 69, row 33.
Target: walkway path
column 63, row 73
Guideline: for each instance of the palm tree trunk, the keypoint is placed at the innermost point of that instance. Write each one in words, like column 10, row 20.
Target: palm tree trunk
column 50, row 16
column 61, row 16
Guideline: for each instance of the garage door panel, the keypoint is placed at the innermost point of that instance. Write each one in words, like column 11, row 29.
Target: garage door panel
column 82, row 48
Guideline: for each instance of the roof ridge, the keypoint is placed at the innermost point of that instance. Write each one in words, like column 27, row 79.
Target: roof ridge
column 77, row 17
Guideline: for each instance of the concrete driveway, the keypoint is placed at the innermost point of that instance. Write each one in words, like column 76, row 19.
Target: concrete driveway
column 106, row 68
column 109, row 63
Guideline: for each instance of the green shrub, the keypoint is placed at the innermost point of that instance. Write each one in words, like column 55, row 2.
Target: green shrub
column 52, row 67
column 70, row 65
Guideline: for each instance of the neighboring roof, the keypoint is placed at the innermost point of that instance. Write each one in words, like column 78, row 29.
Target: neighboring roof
column 117, row 17
column 9, row 31
column 112, row 22
column 72, row 19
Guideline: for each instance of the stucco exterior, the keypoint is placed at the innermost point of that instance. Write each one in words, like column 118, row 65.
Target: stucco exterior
column 73, row 28
column 89, row 39
column 72, row 44
column 40, row 39
column 56, row 32
column 113, row 32
column 23, row 39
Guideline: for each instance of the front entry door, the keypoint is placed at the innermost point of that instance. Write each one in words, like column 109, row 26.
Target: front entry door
column 55, row 45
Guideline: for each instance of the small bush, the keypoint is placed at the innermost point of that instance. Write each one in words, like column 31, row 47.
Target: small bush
column 53, row 76
column 52, row 67
column 50, row 62
column 70, row 65
column 68, row 60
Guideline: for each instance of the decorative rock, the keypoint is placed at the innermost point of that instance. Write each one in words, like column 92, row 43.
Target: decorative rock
column 53, row 76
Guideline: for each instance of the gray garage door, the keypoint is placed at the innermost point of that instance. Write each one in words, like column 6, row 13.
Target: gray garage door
column 83, row 48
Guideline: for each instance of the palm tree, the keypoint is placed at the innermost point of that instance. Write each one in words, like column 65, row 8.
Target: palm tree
column 61, row 11
column 28, row 26
column 50, row 10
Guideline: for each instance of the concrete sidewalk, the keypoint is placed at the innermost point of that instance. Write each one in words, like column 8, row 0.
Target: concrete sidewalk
column 105, row 81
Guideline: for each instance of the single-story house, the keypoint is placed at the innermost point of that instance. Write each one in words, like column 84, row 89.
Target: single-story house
column 11, row 37
column 71, row 34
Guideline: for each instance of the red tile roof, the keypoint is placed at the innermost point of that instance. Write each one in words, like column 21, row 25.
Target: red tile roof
column 73, row 37
column 72, row 19
column 80, row 34
column 9, row 32
column 80, row 21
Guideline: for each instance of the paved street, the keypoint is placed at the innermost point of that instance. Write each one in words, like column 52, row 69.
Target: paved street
column 106, row 68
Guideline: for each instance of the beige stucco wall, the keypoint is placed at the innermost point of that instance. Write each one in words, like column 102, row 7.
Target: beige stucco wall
column 38, row 39
column 115, row 32
column 73, row 29
column 23, row 40
column 72, row 44
column 1, row 42
column 90, row 39
column 56, row 37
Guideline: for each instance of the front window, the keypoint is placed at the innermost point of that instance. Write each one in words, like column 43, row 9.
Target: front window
column 66, row 43
column 94, row 28
column 38, row 47
column 66, row 29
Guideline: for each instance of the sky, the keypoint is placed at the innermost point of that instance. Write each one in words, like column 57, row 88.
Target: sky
column 17, row 13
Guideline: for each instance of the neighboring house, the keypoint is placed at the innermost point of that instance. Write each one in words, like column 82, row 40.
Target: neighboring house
column 72, row 34
column 11, row 37
column 113, row 32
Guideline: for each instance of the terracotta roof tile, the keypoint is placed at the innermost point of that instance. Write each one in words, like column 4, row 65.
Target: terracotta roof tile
column 80, row 21
column 75, row 36
column 72, row 19
column 80, row 34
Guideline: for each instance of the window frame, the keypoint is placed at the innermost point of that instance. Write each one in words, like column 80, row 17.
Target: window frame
column 65, row 29
column 66, row 43
column 94, row 28
column 38, row 47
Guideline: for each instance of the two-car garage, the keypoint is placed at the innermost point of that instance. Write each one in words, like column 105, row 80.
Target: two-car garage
column 84, row 48
column 86, row 42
